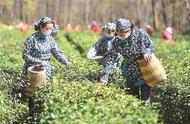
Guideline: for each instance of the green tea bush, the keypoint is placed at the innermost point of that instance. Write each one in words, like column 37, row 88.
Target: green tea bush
column 91, row 103
column 75, row 96
column 174, row 94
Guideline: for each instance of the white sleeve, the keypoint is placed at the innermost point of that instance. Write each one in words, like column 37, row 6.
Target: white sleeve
column 91, row 53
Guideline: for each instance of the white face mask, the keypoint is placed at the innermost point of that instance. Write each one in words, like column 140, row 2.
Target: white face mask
column 122, row 37
column 47, row 32
column 109, row 35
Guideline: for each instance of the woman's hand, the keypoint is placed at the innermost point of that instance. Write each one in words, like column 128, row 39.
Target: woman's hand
column 103, row 82
column 147, row 57
column 97, row 57
column 44, row 64
column 68, row 65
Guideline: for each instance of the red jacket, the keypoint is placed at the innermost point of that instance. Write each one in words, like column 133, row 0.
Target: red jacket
column 167, row 36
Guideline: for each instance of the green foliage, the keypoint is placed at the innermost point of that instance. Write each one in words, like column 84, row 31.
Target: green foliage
column 5, row 109
column 91, row 103
column 74, row 95
column 174, row 94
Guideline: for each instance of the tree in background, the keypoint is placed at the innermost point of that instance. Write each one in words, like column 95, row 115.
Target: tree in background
column 157, row 13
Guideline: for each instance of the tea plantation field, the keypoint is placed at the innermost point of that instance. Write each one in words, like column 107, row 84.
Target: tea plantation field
column 75, row 95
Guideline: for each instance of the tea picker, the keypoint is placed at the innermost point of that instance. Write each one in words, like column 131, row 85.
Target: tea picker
column 38, row 50
column 134, row 45
column 168, row 35
column 100, row 50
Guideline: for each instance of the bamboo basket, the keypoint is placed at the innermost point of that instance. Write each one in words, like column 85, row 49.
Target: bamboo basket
column 153, row 71
column 37, row 77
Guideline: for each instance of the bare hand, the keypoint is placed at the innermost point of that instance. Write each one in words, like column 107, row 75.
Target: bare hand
column 103, row 82
column 147, row 57
column 44, row 64
column 97, row 57
column 68, row 65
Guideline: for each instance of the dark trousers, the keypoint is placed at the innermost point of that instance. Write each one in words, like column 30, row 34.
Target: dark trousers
column 35, row 106
column 142, row 92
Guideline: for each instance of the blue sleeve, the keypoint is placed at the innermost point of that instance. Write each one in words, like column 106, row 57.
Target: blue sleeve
column 26, row 55
column 110, row 60
column 98, row 45
column 147, row 44
column 58, row 54
column 106, row 72
column 94, row 49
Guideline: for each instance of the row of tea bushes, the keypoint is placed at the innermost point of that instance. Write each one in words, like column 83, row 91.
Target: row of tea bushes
column 174, row 94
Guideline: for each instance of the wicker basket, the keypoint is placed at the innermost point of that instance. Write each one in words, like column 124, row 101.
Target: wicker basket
column 37, row 77
column 153, row 71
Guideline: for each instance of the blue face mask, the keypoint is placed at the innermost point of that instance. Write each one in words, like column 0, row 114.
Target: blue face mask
column 47, row 32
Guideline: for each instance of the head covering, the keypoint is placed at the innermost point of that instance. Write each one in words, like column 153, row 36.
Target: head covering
column 169, row 30
column 148, row 26
column 103, row 28
column 93, row 23
column 123, row 25
column 111, row 26
column 55, row 29
column 40, row 22
column 94, row 27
